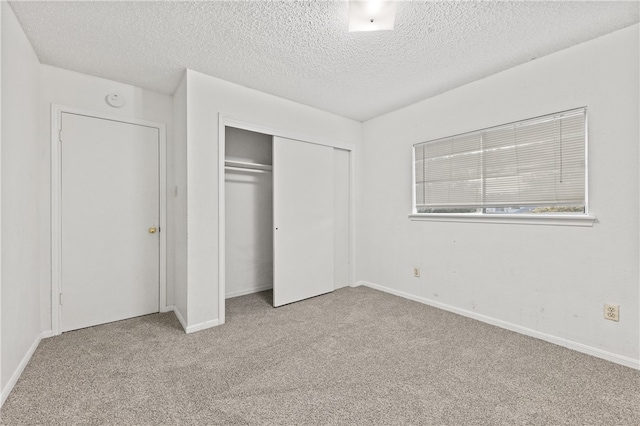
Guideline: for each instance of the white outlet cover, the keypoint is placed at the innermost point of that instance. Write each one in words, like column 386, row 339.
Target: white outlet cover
column 612, row 312
column 115, row 100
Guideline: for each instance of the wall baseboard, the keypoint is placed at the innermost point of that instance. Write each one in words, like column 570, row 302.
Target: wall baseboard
column 176, row 312
column 47, row 334
column 589, row 350
column 248, row 291
column 202, row 326
column 23, row 364
column 190, row 328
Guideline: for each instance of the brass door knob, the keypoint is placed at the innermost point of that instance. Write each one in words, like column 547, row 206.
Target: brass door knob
column 152, row 230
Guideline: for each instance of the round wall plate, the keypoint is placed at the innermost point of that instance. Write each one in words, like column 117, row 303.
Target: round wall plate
column 115, row 100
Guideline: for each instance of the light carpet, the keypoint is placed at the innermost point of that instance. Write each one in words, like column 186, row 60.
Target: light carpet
column 356, row 356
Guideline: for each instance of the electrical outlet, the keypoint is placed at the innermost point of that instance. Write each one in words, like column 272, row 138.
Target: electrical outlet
column 612, row 312
column 416, row 272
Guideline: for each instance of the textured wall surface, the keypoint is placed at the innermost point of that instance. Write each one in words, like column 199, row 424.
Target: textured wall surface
column 548, row 281
column 301, row 50
column 21, row 209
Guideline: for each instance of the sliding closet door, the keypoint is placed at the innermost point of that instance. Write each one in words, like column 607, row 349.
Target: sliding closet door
column 303, row 220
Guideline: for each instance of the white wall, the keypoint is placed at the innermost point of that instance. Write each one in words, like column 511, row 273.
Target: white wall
column 72, row 89
column 249, row 215
column 341, row 217
column 21, row 158
column 1, row 387
column 180, row 199
column 244, row 145
column 549, row 281
column 206, row 98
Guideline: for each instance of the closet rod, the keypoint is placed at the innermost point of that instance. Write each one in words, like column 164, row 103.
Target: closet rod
column 246, row 169
column 245, row 165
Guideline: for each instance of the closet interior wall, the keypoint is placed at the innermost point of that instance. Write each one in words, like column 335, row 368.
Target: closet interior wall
column 249, row 214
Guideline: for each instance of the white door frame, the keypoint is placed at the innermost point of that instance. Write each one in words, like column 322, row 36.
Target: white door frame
column 56, row 205
column 225, row 121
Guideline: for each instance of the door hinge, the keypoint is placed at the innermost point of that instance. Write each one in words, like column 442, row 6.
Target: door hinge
column 60, row 135
column 60, row 294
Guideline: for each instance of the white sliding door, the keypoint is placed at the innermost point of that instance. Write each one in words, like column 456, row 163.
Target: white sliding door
column 303, row 215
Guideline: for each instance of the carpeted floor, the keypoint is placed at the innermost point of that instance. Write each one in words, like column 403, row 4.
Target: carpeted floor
column 353, row 357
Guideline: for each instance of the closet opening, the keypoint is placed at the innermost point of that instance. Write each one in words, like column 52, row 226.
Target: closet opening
column 248, row 212
column 286, row 215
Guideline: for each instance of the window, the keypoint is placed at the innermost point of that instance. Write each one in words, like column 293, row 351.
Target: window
column 531, row 167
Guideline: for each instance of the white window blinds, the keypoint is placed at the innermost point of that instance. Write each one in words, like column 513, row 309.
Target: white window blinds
column 536, row 162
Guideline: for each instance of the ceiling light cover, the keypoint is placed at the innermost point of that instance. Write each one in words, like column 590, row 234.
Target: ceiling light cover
column 371, row 15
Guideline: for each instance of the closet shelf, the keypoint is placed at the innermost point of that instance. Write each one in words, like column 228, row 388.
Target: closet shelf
column 248, row 167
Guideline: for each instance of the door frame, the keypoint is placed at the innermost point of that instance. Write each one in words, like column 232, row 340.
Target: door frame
column 225, row 121
column 56, row 202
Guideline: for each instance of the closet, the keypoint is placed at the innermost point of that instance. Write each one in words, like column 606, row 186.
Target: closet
column 287, row 215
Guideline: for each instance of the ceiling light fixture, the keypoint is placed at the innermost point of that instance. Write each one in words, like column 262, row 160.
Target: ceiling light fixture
column 371, row 15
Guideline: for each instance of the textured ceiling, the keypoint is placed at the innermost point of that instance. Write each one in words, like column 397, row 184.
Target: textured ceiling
column 301, row 50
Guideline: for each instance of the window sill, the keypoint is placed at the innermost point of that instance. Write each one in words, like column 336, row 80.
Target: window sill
column 553, row 220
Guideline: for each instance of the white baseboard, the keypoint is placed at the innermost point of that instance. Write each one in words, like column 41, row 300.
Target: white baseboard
column 168, row 308
column 589, row 350
column 248, row 291
column 23, row 364
column 202, row 326
column 191, row 328
column 172, row 308
column 46, row 334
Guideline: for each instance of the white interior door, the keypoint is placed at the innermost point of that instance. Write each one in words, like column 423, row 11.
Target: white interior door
column 110, row 207
column 303, row 220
